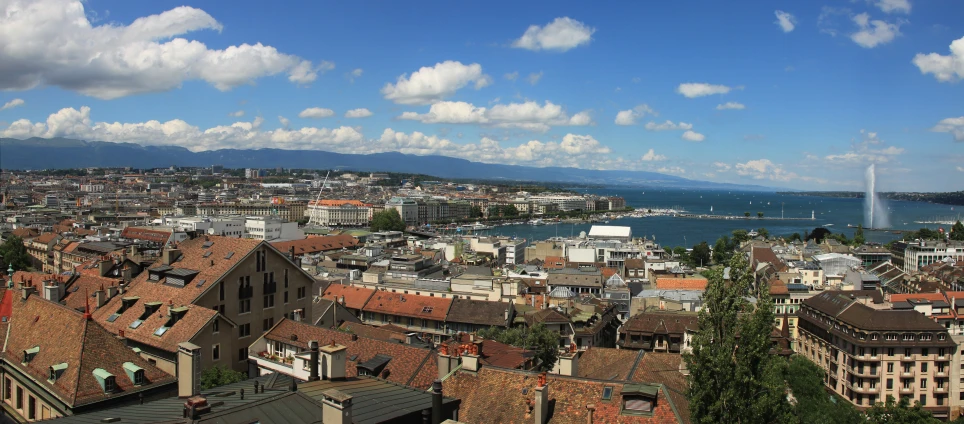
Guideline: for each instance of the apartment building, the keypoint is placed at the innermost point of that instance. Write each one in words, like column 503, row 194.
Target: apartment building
column 418, row 211
column 288, row 211
column 339, row 213
column 911, row 257
column 870, row 354
column 659, row 331
column 218, row 293
column 273, row 229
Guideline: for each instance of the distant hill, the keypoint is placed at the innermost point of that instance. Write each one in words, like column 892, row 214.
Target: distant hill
column 59, row 153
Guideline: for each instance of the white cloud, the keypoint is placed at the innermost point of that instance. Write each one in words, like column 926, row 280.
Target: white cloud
column 870, row 149
column 534, row 78
column 894, row 6
column 316, row 112
column 636, row 80
column 700, row 89
column 355, row 74
column 529, row 115
column 873, row 33
column 237, row 114
column 721, row 166
column 651, row 156
column 693, row 136
column 668, row 126
column 284, row 121
column 12, row 104
column 955, row 126
column 512, row 76
column 52, row 42
column 764, row 169
column 960, row 168
column 632, row 116
column 731, row 105
column 358, row 113
column 561, row 34
column 785, row 20
column 945, row 68
column 430, row 85
column 73, row 123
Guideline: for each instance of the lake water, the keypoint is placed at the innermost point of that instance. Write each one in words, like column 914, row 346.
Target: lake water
column 670, row 231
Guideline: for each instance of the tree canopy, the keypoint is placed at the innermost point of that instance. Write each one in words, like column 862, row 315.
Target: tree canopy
column 700, row 255
column 538, row 338
column 813, row 403
column 740, row 236
column 894, row 412
column 219, row 376
column 818, row 234
column 957, row 231
column 13, row 251
column 387, row 220
column 859, row 235
column 735, row 380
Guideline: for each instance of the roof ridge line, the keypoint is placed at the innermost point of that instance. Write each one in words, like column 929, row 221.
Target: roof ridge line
column 639, row 358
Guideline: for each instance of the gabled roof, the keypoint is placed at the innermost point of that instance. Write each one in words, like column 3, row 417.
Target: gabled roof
column 681, row 283
column 156, row 236
column 603, row 363
column 355, row 297
column 81, row 290
column 409, row 365
column 414, row 306
column 480, row 312
column 317, row 244
column 80, row 343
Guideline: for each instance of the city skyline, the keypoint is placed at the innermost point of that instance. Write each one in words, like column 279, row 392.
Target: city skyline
column 775, row 94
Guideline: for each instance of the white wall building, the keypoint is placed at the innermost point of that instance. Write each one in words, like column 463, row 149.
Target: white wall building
column 92, row 188
column 269, row 228
column 227, row 226
column 346, row 214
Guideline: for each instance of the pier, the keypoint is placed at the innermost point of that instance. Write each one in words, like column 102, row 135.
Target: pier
column 740, row 217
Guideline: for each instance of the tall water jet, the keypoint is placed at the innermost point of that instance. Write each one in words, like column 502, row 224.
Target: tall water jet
column 875, row 213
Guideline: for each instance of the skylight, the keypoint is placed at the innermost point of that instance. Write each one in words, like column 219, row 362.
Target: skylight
column 229, row 255
column 607, row 393
column 427, row 309
column 206, row 254
column 136, row 323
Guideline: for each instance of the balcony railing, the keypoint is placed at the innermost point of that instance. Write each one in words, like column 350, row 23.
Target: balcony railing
column 907, row 390
column 907, row 373
column 941, row 389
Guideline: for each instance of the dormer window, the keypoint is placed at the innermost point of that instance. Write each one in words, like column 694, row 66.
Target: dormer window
column 56, row 371
column 135, row 373
column 126, row 303
column 29, row 354
column 639, row 399
column 106, row 380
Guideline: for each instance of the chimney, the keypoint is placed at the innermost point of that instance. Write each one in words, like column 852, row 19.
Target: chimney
column 120, row 288
column 437, row 402
column 336, row 407
column 52, row 291
column 105, row 265
column 188, row 369
column 333, row 361
column 568, row 364
column 111, row 292
column 411, row 337
column 589, row 410
column 445, row 361
column 470, row 359
column 170, row 255
column 133, row 250
column 541, row 411
column 195, row 406
column 126, row 274
column 27, row 291
column 100, row 298
column 313, row 366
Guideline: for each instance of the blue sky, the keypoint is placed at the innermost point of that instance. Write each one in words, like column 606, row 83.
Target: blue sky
column 786, row 94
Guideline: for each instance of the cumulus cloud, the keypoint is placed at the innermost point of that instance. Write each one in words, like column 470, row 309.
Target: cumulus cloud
column 237, row 114
column 893, row 6
column 284, row 121
column 534, row 78
column 722, row 166
column 74, row 123
column 945, row 68
column 870, row 149
column 651, row 156
column 354, row 74
column 693, row 136
column 785, row 20
column 512, row 76
column 872, row 33
column 358, row 113
column 528, row 115
column 631, row 116
column 52, row 42
column 668, row 126
column 731, row 106
column 430, row 85
column 316, row 112
column 700, row 89
column 955, row 126
column 561, row 35
column 764, row 169
column 12, row 104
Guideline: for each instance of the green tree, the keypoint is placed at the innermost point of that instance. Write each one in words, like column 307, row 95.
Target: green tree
column 763, row 232
column 813, row 403
column 219, row 376
column 759, row 214
column 680, row 252
column 538, row 338
column 746, row 214
column 859, row 235
column 700, row 255
column 510, row 211
column 387, row 220
column 476, row 212
column 13, row 251
column 735, row 380
column 740, row 237
column 899, row 412
column 795, row 237
column 818, row 234
column 957, row 231
column 721, row 250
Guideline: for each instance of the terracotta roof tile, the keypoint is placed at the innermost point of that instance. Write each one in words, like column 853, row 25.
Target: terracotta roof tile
column 603, row 363
column 681, row 283
column 480, row 312
column 355, row 297
column 81, row 290
column 414, row 306
column 317, row 244
column 156, row 236
column 664, row 368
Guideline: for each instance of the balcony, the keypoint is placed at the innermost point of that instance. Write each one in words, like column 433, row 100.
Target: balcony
column 906, row 390
column 866, row 372
column 941, row 389
column 865, row 390
column 908, row 373
column 271, row 361
column 941, row 372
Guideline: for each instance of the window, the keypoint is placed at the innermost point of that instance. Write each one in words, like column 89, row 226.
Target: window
column 607, row 393
column 221, row 291
column 924, row 351
column 890, row 383
column 923, row 400
column 890, row 351
column 109, row 385
column 301, row 292
column 244, row 330
column 637, row 404
column 19, row 397
column 941, row 352
column 873, row 352
column 216, row 326
column 267, row 324
column 31, row 408
column 890, row 367
column 139, row 379
column 257, row 261
column 286, row 277
column 7, row 388
column 216, row 352
column 242, row 355
column 268, row 301
column 923, row 367
column 244, row 306
column 907, row 352
column 286, row 297
column 923, row 384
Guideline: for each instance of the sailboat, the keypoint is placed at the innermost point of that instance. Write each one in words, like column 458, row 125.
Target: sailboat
column 711, row 209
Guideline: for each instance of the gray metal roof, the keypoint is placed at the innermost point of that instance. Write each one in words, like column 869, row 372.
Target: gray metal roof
column 375, row 401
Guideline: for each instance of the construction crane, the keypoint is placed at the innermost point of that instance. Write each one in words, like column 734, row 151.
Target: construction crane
column 311, row 215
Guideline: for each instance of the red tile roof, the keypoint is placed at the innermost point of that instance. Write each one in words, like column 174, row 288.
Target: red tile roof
column 81, row 291
column 46, row 238
column 554, row 262
column 156, row 236
column 903, row 297
column 412, row 366
column 603, row 363
column 80, row 343
column 681, row 283
column 25, row 233
column 408, row 305
column 355, row 297
column 317, row 244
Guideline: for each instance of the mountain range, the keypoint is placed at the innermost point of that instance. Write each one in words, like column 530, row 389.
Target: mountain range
column 59, row 153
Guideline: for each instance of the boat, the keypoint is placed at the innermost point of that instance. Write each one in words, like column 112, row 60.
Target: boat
column 851, row 226
column 828, row 225
column 537, row 222
column 478, row 226
column 752, row 233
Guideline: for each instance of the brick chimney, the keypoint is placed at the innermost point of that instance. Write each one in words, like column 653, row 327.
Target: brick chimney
column 336, row 407
column 541, row 410
column 313, row 365
column 590, row 408
column 52, row 290
column 188, row 369
column 334, row 359
column 470, row 359
column 446, row 362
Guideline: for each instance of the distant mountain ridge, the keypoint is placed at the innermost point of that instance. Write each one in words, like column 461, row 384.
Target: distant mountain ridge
column 58, row 153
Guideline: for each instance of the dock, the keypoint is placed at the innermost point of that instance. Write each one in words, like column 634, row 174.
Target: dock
column 740, row 217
